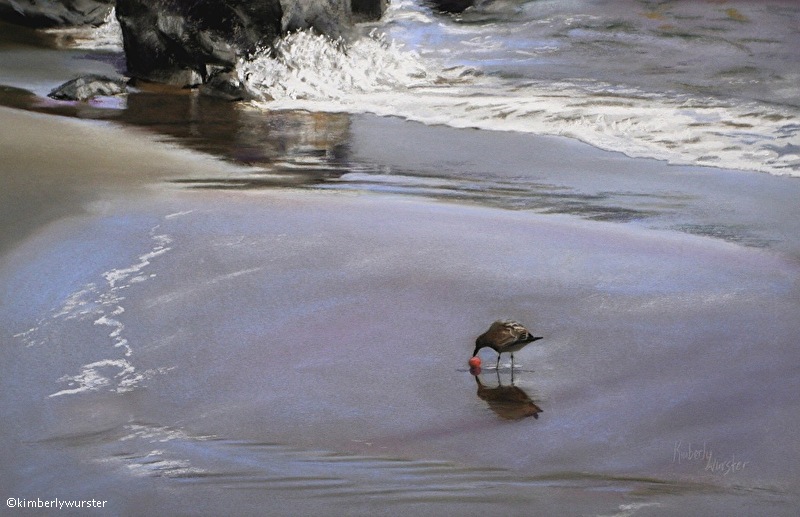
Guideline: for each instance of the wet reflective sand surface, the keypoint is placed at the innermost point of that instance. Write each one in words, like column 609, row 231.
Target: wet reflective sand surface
column 213, row 345
column 284, row 333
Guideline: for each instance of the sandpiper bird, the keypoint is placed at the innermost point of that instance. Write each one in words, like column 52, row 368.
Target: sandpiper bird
column 504, row 336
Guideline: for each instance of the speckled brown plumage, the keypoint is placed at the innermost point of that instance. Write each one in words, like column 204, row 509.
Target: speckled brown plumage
column 504, row 336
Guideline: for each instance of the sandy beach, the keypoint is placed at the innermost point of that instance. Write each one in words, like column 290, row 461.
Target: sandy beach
column 197, row 351
column 211, row 309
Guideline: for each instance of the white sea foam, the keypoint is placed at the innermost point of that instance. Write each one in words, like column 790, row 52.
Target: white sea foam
column 103, row 305
column 96, row 375
column 117, row 375
column 372, row 75
column 376, row 74
column 117, row 275
column 107, row 36
column 178, row 214
column 206, row 285
column 161, row 434
column 159, row 462
column 164, row 468
column 115, row 335
column 308, row 66
column 627, row 510
column 77, row 304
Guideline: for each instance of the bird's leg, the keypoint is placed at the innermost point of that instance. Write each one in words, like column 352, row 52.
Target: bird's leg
column 512, row 362
column 497, row 366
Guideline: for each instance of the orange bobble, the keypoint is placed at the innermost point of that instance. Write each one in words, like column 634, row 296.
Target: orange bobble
column 475, row 362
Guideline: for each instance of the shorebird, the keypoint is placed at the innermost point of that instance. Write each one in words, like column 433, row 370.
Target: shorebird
column 504, row 336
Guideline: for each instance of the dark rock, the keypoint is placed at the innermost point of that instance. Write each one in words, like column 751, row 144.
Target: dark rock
column 328, row 17
column 451, row 6
column 88, row 86
column 55, row 13
column 227, row 86
column 186, row 42
column 332, row 18
column 368, row 10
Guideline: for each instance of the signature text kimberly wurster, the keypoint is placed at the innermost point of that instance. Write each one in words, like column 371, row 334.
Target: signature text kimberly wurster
column 691, row 453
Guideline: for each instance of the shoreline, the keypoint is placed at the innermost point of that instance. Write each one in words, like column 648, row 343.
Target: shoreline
column 341, row 152
column 53, row 163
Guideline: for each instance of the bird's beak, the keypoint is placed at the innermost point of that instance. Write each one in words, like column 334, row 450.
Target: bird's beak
column 535, row 338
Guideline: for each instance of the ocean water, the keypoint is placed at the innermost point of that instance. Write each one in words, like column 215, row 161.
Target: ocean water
column 708, row 83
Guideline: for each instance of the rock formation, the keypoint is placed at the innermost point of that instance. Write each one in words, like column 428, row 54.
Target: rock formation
column 186, row 43
column 451, row 6
column 55, row 13
column 88, row 86
column 193, row 42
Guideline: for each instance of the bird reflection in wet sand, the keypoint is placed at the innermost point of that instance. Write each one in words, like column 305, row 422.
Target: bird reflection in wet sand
column 508, row 402
column 504, row 336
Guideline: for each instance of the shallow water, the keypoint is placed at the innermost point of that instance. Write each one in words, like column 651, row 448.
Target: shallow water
column 247, row 346
column 187, row 336
column 342, row 152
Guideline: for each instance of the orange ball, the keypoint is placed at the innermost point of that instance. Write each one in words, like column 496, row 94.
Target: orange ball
column 475, row 362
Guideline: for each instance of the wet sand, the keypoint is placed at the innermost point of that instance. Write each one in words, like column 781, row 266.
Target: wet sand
column 278, row 321
column 55, row 166
column 294, row 351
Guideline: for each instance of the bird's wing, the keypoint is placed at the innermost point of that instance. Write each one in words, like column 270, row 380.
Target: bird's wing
column 511, row 332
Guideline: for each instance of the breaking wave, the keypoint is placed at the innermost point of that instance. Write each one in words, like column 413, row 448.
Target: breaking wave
column 373, row 75
column 381, row 75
